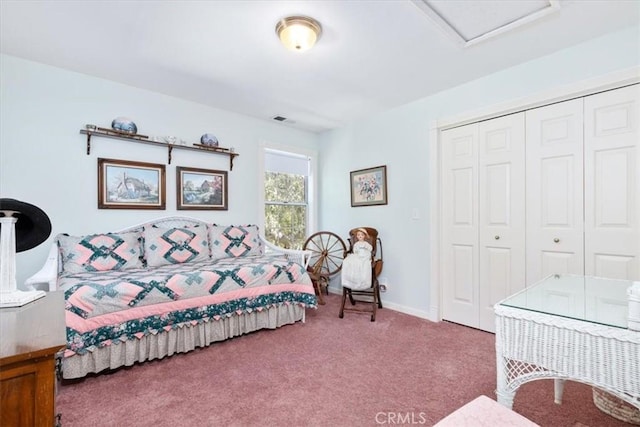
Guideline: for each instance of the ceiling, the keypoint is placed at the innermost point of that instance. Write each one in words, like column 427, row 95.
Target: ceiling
column 373, row 55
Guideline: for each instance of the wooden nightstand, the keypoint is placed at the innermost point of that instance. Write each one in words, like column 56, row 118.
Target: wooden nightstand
column 30, row 337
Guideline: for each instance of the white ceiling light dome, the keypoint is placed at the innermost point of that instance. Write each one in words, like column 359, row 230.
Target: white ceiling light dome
column 298, row 33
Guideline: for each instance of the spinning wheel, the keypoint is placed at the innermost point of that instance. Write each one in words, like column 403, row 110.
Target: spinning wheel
column 327, row 252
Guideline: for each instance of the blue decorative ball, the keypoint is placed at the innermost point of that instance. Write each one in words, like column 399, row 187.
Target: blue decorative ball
column 123, row 124
column 209, row 139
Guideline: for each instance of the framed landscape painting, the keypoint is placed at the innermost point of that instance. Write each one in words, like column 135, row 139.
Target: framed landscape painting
column 369, row 187
column 201, row 189
column 125, row 184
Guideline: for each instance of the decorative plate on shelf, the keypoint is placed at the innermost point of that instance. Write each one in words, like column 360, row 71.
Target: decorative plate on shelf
column 209, row 140
column 125, row 125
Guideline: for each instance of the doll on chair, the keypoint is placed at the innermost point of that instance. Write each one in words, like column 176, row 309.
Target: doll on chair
column 356, row 267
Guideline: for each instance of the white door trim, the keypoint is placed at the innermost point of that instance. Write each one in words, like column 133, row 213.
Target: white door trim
column 578, row 89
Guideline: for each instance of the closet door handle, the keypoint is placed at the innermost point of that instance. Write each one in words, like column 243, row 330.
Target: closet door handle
column 556, row 240
column 497, row 237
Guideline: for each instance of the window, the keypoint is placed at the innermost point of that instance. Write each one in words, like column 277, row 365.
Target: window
column 286, row 198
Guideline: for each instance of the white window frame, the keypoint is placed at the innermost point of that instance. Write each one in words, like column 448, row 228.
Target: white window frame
column 312, row 183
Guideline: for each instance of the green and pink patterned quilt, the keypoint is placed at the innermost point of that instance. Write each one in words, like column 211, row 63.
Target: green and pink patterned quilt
column 107, row 307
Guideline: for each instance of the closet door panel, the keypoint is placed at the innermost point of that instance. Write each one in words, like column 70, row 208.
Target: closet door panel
column 556, row 262
column 460, row 225
column 501, row 212
column 612, row 184
column 554, row 191
column 463, row 280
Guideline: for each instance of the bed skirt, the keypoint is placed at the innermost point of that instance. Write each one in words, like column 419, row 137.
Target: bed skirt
column 179, row 340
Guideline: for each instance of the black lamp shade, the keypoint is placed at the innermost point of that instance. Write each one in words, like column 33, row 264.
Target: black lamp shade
column 33, row 225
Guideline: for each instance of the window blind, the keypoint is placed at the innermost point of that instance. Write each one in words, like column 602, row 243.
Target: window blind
column 282, row 162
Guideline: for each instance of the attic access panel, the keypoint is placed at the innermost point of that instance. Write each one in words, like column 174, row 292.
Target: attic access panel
column 470, row 22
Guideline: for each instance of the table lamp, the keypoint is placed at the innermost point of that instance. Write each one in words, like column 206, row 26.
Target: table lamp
column 22, row 227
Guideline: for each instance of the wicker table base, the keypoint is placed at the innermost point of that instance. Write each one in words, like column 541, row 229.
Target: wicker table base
column 532, row 345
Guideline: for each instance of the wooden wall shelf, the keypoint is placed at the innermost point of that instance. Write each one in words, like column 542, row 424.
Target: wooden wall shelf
column 108, row 133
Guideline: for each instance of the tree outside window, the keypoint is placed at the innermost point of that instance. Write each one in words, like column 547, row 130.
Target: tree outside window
column 286, row 209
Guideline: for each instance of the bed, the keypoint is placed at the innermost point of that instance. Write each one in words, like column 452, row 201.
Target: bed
column 169, row 286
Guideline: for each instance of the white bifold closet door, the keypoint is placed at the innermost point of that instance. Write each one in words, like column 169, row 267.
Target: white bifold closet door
column 583, row 187
column 554, row 170
column 460, row 225
column 612, row 184
column 483, row 218
column 552, row 190
column 502, row 212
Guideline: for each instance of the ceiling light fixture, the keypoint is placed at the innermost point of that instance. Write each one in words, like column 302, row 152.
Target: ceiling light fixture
column 298, row 33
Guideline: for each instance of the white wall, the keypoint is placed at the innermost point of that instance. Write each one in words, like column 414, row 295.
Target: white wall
column 400, row 139
column 43, row 157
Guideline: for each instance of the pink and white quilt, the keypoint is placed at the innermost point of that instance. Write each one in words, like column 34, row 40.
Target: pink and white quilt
column 106, row 307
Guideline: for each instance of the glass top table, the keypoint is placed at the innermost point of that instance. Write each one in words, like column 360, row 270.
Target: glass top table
column 568, row 327
column 591, row 299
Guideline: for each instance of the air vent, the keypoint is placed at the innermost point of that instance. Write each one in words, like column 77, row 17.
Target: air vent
column 280, row 118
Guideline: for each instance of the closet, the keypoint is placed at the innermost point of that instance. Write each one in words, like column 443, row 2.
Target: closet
column 555, row 189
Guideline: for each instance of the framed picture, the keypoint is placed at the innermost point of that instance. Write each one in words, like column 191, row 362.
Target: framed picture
column 124, row 184
column 201, row 189
column 369, row 187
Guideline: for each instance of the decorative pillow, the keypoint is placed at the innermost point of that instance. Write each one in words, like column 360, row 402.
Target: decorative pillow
column 164, row 246
column 100, row 252
column 232, row 241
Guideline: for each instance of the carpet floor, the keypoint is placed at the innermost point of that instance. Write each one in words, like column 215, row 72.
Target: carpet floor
column 325, row 372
